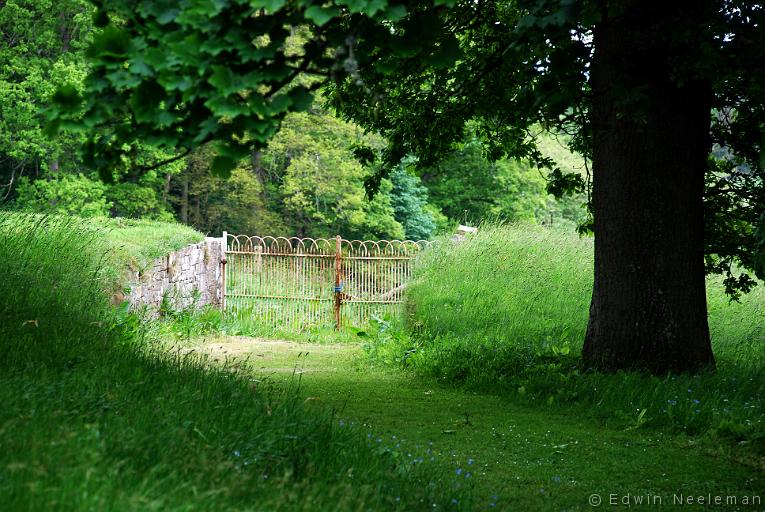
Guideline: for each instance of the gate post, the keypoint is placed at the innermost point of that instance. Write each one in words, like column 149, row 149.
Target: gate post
column 223, row 246
column 338, row 280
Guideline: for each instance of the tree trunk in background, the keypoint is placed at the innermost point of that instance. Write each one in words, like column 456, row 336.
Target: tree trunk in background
column 257, row 167
column 651, row 141
column 256, row 162
column 166, row 189
column 185, row 201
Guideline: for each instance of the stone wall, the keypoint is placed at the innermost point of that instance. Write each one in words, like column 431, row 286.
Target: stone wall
column 188, row 277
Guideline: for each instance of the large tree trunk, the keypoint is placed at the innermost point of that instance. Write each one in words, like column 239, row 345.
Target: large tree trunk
column 651, row 141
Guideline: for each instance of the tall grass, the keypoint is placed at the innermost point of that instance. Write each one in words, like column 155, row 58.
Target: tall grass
column 138, row 243
column 507, row 310
column 95, row 416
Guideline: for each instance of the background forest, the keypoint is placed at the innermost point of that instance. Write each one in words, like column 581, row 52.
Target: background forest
column 308, row 182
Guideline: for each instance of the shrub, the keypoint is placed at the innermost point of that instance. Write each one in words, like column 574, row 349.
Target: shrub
column 136, row 201
column 70, row 194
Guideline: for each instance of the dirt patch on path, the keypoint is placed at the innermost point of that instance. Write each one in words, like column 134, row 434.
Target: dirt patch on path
column 277, row 355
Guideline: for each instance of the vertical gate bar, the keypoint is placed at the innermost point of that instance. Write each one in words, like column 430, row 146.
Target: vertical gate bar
column 223, row 272
column 338, row 285
column 293, row 292
column 296, row 286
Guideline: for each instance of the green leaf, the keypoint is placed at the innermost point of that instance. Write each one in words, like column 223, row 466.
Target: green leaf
column 321, row 15
column 168, row 16
column 367, row 7
column 374, row 6
column 302, row 98
column 111, row 43
column 280, row 103
column 222, row 166
column 224, row 80
column 145, row 100
column 270, row 5
column 67, row 98
column 226, row 107
column 446, row 53
column 52, row 127
column 100, row 18
column 138, row 66
column 395, row 12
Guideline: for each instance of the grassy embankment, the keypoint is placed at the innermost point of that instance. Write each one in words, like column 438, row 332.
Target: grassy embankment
column 98, row 416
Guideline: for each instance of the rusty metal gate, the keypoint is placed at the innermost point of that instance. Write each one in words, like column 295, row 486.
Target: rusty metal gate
column 303, row 283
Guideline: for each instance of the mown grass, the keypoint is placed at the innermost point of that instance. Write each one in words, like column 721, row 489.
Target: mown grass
column 98, row 416
column 516, row 456
column 506, row 311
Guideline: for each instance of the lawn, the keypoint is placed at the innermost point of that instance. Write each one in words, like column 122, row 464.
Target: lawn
column 518, row 456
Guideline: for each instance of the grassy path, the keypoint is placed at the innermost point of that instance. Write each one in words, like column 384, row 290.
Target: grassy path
column 518, row 458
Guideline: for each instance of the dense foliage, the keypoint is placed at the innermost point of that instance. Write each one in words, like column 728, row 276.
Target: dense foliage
column 308, row 180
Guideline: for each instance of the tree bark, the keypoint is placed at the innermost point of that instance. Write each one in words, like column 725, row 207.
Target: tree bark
column 650, row 126
column 185, row 200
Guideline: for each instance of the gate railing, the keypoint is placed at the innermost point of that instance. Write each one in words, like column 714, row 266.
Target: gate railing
column 305, row 282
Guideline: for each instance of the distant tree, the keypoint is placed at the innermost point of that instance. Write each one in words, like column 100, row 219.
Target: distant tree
column 69, row 194
column 409, row 199
column 469, row 187
column 41, row 47
column 138, row 201
column 213, row 204
column 321, row 184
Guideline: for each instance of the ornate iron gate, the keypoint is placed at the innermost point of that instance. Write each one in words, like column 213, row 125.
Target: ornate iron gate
column 302, row 283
